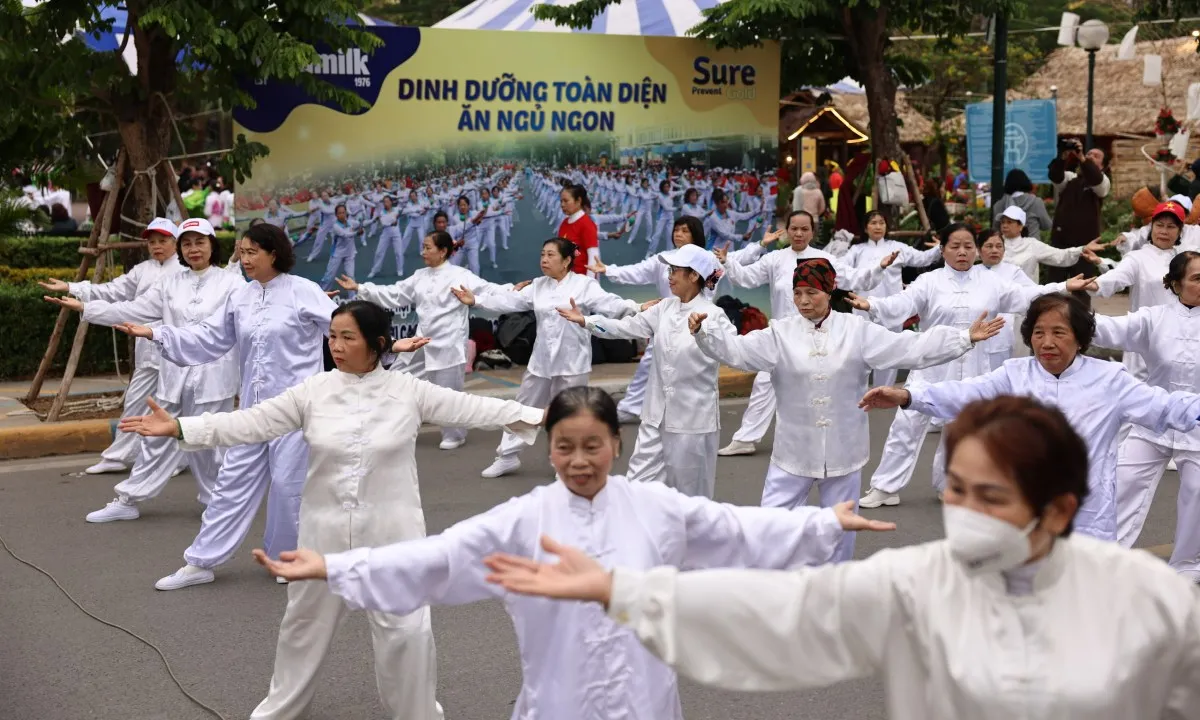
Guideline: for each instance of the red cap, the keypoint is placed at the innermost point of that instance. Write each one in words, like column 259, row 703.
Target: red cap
column 1170, row 208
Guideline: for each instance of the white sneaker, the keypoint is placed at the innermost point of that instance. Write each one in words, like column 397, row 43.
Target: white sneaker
column 737, row 447
column 106, row 466
column 185, row 576
column 502, row 466
column 452, row 444
column 627, row 418
column 116, row 510
column 281, row 581
column 875, row 498
column 1171, row 465
column 179, row 470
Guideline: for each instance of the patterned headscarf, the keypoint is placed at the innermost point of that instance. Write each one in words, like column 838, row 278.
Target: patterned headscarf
column 815, row 273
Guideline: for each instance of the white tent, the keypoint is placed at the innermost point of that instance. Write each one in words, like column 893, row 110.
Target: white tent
column 671, row 18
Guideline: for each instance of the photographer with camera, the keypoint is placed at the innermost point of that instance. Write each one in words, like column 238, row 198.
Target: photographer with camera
column 1080, row 185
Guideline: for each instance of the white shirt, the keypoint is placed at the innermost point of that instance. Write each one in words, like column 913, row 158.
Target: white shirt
column 1189, row 239
column 1010, row 334
column 1027, row 253
column 361, row 488
column 819, row 376
column 1096, row 396
column 681, row 392
column 562, row 348
column 137, row 281
column 778, row 267
column 440, row 315
column 956, row 298
column 870, row 253
column 1105, row 634
column 277, row 328
column 1168, row 338
column 578, row 664
column 181, row 298
column 1142, row 272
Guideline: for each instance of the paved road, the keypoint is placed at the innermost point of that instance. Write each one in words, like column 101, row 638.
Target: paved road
column 220, row 638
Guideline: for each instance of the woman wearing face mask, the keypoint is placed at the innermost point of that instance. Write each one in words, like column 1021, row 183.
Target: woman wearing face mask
column 1165, row 336
column 389, row 238
column 777, row 269
column 562, row 352
column 953, row 295
column 818, row 361
column 680, row 430
column 578, row 228
column 1097, row 396
column 991, row 256
column 160, row 236
column 867, row 250
column 277, row 322
column 361, row 424
column 1142, row 272
column 440, row 317
column 576, row 663
column 1011, row 615
column 180, row 298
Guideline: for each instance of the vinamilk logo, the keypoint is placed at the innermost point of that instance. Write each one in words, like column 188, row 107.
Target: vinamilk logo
column 351, row 62
column 735, row 82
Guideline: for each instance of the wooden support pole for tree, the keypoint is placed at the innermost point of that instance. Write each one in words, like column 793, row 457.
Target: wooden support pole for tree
column 916, row 189
column 64, row 385
column 99, row 227
column 101, row 249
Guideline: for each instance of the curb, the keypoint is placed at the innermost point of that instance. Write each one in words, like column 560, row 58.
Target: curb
column 93, row 436
column 61, row 438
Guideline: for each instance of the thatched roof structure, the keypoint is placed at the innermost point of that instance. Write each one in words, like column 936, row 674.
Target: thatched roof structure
column 799, row 108
column 1122, row 104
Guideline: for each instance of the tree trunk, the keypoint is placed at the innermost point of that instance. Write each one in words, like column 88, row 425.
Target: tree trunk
column 866, row 32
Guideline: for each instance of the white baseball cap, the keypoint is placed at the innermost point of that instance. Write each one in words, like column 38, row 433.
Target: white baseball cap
column 691, row 256
column 163, row 226
column 1012, row 212
column 197, row 225
column 1183, row 200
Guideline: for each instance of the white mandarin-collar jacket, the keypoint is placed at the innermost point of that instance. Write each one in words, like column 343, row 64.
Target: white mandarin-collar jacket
column 137, row 281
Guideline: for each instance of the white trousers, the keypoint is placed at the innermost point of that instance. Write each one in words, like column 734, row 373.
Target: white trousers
column 341, row 261
column 536, row 391
column 759, row 411
column 686, row 462
column 635, row 394
column 452, row 378
column 468, row 256
column 160, row 456
column 661, row 234
column 1140, row 466
column 643, row 218
column 900, row 453
column 785, row 490
column 390, row 239
column 405, row 658
column 246, row 474
column 322, row 232
column 127, row 446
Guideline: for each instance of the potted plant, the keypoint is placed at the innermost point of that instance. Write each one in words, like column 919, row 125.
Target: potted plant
column 1166, row 125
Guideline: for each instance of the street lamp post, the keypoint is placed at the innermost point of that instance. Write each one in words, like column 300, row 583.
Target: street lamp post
column 1091, row 36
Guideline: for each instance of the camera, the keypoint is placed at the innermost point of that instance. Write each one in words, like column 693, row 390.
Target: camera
column 1067, row 144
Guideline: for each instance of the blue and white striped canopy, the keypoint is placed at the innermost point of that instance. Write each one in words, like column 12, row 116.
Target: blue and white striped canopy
column 670, row 18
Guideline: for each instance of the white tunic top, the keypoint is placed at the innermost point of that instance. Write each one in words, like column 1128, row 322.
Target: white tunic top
column 578, row 664
column 819, row 376
column 870, row 253
column 361, row 489
column 956, row 298
column 681, row 393
column 126, row 287
column 1097, row 396
column 562, row 347
column 1010, row 334
column 278, row 329
column 440, row 315
column 1168, row 338
column 1106, row 633
column 1027, row 253
column 181, row 298
column 777, row 268
column 1142, row 272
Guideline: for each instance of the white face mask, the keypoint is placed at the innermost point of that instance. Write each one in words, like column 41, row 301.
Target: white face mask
column 984, row 544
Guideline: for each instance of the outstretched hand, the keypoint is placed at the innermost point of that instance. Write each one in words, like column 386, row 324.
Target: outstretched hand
column 347, row 283
column 573, row 314
column 575, row 576
column 695, row 320
column 852, row 522
column 858, row 303
column 301, row 564
column 982, row 328
column 158, row 423
column 69, row 303
column 54, row 285
column 1079, row 283
column 411, row 344
column 464, row 295
column 884, row 397
column 887, row 261
column 135, row 330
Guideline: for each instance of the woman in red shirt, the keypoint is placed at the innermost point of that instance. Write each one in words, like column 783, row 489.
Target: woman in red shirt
column 579, row 228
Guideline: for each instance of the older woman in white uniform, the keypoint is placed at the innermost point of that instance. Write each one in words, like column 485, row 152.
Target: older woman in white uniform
column 562, row 352
column 1168, row 338
column 180, row 299
column 818, row 360
column 1097, row 396
column 680, row 430
column 576, row 663
column 1011, row 616
column 440, row 317
column 277, row 323
column 991, row 256
column 160, row 236
column 361, row 423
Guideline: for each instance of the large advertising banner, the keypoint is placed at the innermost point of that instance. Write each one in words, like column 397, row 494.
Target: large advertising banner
column 488, row 125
